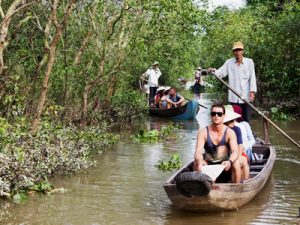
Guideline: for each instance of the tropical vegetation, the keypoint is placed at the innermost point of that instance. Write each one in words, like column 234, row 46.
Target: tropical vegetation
column 69, row 70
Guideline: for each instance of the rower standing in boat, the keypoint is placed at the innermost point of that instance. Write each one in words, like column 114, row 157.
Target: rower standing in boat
column 225, row 151
column 241, row 74
column 198, row 76
column 152, row 74
column 198, row 81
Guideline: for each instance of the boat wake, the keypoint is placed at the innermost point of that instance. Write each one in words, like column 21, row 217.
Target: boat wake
column 289, row 160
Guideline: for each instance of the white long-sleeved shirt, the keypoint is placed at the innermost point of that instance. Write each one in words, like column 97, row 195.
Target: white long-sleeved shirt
column 241, row 78
column 153, row 76
column 247, row 136
column 250, row 136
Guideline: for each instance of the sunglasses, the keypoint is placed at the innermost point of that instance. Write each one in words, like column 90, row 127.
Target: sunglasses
column 216, row 113
column 237, row 50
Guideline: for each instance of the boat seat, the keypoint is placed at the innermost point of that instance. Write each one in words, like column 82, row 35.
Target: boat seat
column 253, row 173
column 258, row 161
column 256, row 167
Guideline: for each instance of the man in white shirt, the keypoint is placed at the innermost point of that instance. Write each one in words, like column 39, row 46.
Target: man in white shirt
column 152, row 74
column 241, row 75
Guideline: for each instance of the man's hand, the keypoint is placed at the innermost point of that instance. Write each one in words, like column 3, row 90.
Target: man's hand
column 227, row 165
column 198, row 164
column 211, row 70
column 251, row 96
column 143, row 77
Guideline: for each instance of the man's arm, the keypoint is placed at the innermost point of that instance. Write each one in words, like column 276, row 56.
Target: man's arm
column 198, row 158
column 158, row 73
column 221, row 72
column 253, row 86
column 145, row 75
column 180, row 100
column 234, row 149
column 169, row 100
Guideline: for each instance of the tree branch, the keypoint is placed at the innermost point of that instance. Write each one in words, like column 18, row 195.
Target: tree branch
column 1, row 10
column 112, row 24
column 24, row 6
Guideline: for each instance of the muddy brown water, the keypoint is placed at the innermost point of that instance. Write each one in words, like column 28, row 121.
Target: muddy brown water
column 125, row 187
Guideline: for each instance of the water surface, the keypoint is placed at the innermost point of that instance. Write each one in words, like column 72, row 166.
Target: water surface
column 126, row 188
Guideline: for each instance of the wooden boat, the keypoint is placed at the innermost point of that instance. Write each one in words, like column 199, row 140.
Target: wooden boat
column 185, row 112
column 226, row 196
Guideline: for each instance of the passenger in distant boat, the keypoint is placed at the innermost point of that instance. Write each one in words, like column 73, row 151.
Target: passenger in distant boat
column 248, row 137
column 153, row 74
column 163, row 101
column 217, row 144
column 174, row 99
column 230, row 121
column 241, row 76
column 158, row 96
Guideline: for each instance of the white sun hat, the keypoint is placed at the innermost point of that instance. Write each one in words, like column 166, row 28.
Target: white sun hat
column 155, row 63
column 161, row 88
column 167, row 88
column 230, row 114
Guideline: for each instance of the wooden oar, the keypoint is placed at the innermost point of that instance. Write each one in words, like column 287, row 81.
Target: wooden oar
column 182, row 95
column 258, row 111
column 197, row 102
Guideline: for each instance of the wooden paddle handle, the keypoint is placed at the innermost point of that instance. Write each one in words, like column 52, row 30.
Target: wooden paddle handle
column 259, row 112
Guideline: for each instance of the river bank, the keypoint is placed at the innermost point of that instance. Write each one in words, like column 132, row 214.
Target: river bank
column 27, row 161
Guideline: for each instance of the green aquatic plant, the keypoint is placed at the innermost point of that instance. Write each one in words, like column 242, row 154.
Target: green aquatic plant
column 147, row 136
column 19, row 197
column 25, row 160
column 165, row 133
column 167, row 165
column 169, row 131
column 279, row 115
column 43, row 187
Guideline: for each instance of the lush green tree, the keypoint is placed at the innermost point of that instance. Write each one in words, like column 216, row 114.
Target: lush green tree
column 74, row 55
column 271, row 39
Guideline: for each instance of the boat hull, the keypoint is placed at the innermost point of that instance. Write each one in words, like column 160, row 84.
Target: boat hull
column 223, row 196
column 186, row 112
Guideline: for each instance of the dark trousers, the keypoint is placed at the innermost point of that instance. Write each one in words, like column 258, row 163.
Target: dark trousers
column 152, row 95
column 246, row 111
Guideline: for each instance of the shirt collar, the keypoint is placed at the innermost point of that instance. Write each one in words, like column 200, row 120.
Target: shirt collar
column 235, row 61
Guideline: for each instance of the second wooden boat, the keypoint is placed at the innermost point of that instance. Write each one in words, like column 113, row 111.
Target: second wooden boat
column 185, row 112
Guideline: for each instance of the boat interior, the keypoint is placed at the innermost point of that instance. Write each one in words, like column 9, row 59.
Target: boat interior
column 260, row 156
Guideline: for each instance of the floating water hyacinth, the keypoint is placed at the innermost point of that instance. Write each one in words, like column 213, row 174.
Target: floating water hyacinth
column 173, row 163
column 165, row 133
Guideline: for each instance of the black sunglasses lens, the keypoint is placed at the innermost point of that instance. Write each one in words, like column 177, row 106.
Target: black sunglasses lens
column 216, row 113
